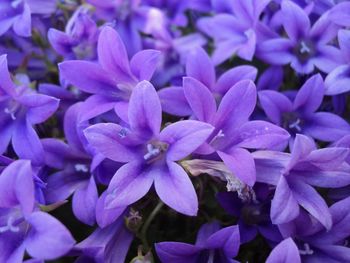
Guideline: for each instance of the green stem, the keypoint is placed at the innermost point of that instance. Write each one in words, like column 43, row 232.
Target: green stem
column 147, row 224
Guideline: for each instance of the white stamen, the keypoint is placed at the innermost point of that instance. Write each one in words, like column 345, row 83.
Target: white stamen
column 295, row 125
column 304, row 48
column 81, row 168
column 307, row 250
column 10, row 112
column 152, row 152
column 9, row 226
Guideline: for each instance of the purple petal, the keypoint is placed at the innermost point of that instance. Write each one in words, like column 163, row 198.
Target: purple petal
column 328, row 58
column 40, row 107
column 262, row 135
column 26, row 142
column 144, row 63
column 200, row 99
column 284, row 206
column 295, row 20
column 60, row 41
column 95, row 105
column 226, row 239
column 274, row 104
column 326, row 126
column 340, row 14
column 284, row 252
column 129, row 184
column 105, row 217
column 241, row 163
column 344, row 43
column 17, row 186
column 276, row 51
column 234, row 75
column 112, row 54
column 175, row 180
column 84, row 202
column 237, row 105
column 206, row 231
column 92, row 77
column 145, row 112
column 338, row 80
column 6, row 84
column 200, row 67
column 271, row 78
column 49, row 233
column 328, row 158
column 176, row 252
column 309, row 199
column 174, row 102
column 23, row 23
column 310, row 95
column 184, row 137
column 110, row 140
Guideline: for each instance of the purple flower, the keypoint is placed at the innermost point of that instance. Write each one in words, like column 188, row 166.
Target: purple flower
column 294, row 175
column 22, row 226
column 200, row 67
column 112, row 79
column 306, row 46
column 79, row 39
column 284, row 252
column 212, row 245
column 109, row 244
column 300, row 116
column 20, row 109
column 338, row 80
column 17, row 14
column 234, row 34
column 150, row 155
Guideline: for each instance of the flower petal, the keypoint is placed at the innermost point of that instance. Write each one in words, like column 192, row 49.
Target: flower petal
column 129, row 184
column 286, row 251
column 284, row 206
column 200, row 67
column 145, row 112
column 173, row 179
column 241, row 163
column 184, row 137
column 201, row 100
column 49, row 233
column 144, row 63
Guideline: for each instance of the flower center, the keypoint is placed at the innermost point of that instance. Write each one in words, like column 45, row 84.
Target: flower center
column 10, row 226
column 81, row 168
column 304, row 50
column 155, row 150
column 292, row 123
column 306, row 251
column 12, row 109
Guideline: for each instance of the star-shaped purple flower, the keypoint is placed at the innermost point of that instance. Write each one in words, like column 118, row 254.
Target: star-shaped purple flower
column 150, row 154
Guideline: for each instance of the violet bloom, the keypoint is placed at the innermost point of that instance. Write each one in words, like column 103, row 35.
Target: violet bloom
column 338, row 80
column 286, row 251
column 22, row 226
column 237, row 33
column 200, row 67
column 233, row 131
column 109, row 244
column 306, row 47
column 17, row 14
column 315, row 244
column 150, row 155
column 300, row 116
column 294, row 175
column 79, row 39
column 212, row 245
column 112, row 79
column 79, row 170
column 253, row 216
column 21, row 108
